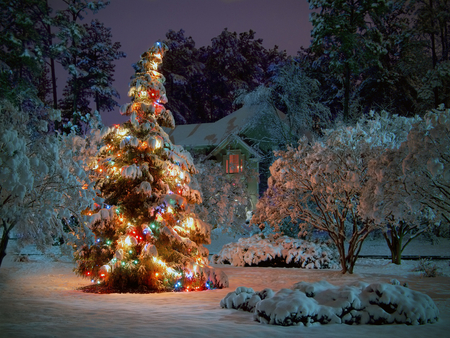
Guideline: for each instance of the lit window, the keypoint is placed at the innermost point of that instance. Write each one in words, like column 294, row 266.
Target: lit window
column 233, row 163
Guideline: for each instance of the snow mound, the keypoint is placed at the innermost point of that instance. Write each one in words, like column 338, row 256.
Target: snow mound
column 324, row 303
column 281, row 251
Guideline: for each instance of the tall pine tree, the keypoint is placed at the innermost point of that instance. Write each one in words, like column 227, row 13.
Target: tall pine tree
column 342, row 30
column 147, row 236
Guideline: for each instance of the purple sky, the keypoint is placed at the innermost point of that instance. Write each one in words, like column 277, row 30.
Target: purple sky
column 138, row 24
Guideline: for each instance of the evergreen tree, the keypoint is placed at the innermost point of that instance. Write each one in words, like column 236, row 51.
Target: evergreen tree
column 390, row 83
column 20, row 50
column 182, row 68
column 342, row 30
column 71, row 35
column 317, row 66
column 433, row 26
column 206, row 81
column 97, row 54
column 147, row 235
column 233, row 64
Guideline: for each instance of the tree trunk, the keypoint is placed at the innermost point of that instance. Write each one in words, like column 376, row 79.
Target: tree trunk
column 4, row 242
column 396, row 251
column 52, row 66
column 347, row 92
column 395, row 243
column 97, row 102
column 55, row 93
column 434, row 56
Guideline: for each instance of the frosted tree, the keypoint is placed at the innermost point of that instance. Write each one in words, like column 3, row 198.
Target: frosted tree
column 41, row 184
column 387, row 202
column 147, row 235
column 320, row 184
column 427, row 164
column 296, row 95
column 408, row 189
column 98, row 54
column 78, row 52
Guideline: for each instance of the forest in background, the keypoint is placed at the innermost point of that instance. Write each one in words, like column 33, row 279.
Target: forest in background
column 365, row 55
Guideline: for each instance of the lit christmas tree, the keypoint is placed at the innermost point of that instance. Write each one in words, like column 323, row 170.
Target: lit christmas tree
column 146, row 235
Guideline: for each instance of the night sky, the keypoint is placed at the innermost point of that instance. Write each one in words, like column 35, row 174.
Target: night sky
column 138, row 24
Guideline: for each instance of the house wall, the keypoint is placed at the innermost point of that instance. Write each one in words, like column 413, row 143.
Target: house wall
column 250, row 164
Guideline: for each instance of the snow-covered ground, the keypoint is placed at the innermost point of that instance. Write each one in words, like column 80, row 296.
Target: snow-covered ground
column 39, row 298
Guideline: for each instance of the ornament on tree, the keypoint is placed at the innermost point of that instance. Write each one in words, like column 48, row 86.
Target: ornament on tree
column 147, row 234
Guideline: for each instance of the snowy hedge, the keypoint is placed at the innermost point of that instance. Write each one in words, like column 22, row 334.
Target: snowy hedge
column 324, row 303
column 281, row 251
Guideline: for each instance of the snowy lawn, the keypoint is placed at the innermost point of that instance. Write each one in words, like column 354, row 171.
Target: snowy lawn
column 40, row 299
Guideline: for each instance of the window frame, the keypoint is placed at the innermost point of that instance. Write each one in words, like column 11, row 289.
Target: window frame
column 240, row 162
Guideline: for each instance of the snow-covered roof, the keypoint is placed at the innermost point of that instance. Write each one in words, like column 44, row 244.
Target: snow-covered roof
column 211, row 134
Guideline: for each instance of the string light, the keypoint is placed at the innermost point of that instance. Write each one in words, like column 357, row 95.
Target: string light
column 130, row 244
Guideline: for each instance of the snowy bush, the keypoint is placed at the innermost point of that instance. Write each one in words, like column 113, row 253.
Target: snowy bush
column 324, row 303
column 41, row 183
column 320, row 184
column 408, row 186
column 245, row 298
column 281, row 251
column 427, row 268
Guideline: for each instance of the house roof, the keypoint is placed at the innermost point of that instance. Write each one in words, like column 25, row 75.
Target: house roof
column 232, row 138
column 212, row 134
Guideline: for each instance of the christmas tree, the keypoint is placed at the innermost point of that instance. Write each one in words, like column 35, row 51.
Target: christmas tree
column 146, row 234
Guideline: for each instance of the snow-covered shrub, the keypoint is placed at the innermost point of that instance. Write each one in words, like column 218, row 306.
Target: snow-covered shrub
column 408, row 186
column 324, row 303
column 428, row 268
column 40, row 182
column 320, row 184
column 280, row 251
column 245, row 298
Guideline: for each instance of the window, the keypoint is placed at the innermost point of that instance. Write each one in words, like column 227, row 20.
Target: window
column 234, row 163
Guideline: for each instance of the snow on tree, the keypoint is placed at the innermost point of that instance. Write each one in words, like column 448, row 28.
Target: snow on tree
column 427, row 164
column 97, row 54
column 320, row 184
column 226, row 199
column 323, row 303
column 87, row 61
column 147, row 235
column 41, row 184
column 408, row 187
column 293, row 93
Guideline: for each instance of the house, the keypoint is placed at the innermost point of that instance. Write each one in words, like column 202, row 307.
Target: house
column 233, row 141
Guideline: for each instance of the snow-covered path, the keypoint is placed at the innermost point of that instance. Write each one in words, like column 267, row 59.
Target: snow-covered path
column 39, row 299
